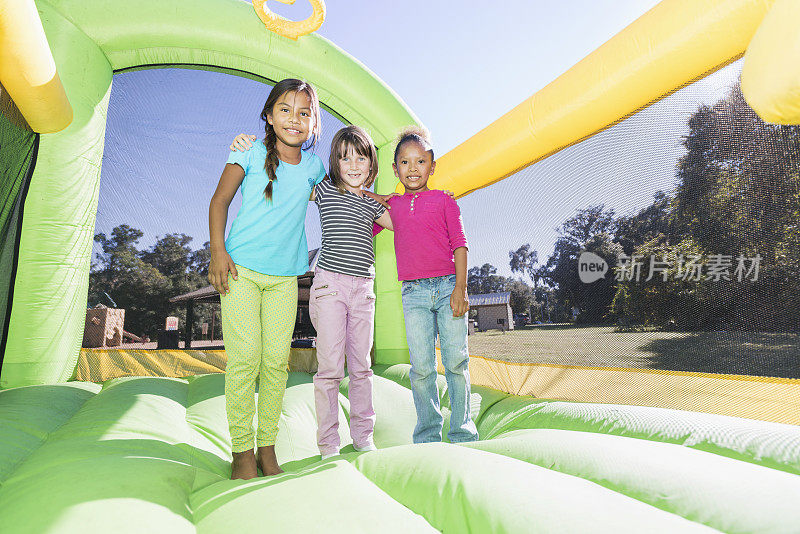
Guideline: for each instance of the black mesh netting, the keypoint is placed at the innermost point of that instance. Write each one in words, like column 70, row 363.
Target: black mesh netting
column 668, row 241
column 18, row 146
column 687, row 210
column 163, row 156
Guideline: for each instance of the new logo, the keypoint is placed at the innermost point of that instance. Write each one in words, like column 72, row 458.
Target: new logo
column 591, row 267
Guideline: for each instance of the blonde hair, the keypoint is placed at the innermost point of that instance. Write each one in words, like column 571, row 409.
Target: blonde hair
column 416, row 134
column 359, row 139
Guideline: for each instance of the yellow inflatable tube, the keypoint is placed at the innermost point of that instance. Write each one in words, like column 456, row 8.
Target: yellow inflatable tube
column 771, row 71
column 27, row 70
column 675, row 43
column 288, row 28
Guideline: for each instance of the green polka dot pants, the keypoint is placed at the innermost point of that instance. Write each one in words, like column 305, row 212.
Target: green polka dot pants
column 258, row 317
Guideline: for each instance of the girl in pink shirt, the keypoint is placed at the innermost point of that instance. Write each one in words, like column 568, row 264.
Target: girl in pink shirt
column 431, row 252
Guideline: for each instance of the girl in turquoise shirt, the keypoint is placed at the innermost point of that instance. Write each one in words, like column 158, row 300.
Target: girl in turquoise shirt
column 255, row 270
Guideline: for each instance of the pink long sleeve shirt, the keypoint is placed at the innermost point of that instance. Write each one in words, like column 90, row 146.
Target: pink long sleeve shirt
column 427, row 229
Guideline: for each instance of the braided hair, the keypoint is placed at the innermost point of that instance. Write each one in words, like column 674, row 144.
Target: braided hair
column 271, row 139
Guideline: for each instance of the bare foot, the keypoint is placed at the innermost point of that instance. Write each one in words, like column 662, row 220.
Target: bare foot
column 268, row 462
column 243, row 465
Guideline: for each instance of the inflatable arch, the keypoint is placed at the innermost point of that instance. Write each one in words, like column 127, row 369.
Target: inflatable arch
column 44, row 333
column 147, row 454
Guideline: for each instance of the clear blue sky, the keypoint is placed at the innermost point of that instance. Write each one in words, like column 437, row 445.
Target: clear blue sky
column 458, row 65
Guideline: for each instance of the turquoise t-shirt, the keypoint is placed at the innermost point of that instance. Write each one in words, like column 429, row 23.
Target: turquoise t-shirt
column 270, row 237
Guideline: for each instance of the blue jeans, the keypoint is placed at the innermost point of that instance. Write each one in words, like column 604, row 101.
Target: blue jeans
column 426, row 307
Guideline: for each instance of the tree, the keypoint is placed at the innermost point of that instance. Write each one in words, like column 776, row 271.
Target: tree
column 131, row 282
column 739, row 194
column 521, row 296
column 738, row 181
column 142, row 282
column 586, row 224
column 484, row 279
column 121, row 243
column 653, row 221
column 200, row 259
column 667, row 299
column 171, row 255
column 524, row 260
column 590, row 230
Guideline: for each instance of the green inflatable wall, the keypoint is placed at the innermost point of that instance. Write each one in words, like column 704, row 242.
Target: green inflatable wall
column 92, row 39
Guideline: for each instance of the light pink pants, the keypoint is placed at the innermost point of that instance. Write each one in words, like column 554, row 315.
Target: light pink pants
column 342, row 309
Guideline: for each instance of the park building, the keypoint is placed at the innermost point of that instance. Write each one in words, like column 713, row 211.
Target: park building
column 493, row 311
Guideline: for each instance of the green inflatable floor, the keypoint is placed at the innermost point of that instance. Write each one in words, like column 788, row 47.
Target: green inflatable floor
column 152, row 455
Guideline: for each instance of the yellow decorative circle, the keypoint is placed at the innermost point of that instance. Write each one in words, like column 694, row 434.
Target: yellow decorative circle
column 290, row 28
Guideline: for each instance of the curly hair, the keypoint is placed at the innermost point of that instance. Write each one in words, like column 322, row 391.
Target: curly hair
column 416, row 134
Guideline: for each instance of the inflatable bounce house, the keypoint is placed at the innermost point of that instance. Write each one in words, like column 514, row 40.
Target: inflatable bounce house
column 562, row 449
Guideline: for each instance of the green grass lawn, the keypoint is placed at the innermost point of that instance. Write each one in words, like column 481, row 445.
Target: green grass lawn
column 751, row 353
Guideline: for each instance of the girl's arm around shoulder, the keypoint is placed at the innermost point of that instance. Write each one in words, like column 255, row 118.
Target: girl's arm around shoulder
column 316, row 191
column 242, row 142
column 446, row 195
column 316, row 174
column 446, row 201
column 383, row 200
column 316, row 171
column 385, row 220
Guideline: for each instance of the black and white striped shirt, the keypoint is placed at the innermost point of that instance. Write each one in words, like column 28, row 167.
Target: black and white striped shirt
column 346, row 221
